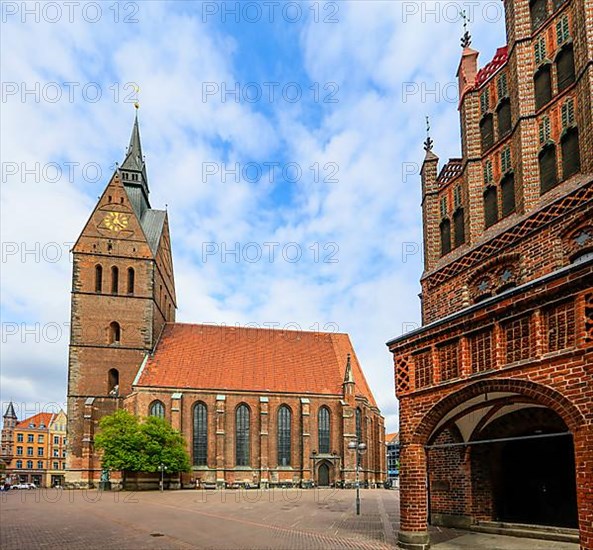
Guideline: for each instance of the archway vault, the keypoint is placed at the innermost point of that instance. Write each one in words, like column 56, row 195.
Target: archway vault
column 486, row 399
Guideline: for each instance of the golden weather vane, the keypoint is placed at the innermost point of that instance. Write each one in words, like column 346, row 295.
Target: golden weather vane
column 137, row 102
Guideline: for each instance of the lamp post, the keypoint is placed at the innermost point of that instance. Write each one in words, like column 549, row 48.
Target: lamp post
column 162, row 468
column 360, row 449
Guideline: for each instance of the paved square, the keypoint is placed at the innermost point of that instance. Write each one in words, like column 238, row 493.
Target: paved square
column 275, row 519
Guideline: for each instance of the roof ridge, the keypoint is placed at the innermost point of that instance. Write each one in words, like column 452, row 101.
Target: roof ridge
column 275, row 329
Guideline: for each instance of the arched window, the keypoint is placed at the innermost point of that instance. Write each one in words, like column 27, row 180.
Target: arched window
column 242, row 439
column 445, row 228
column 284, row 435
column 539, row 12
column 19, row 464
column 459, row 226
column 131, row 275
column 548, row 175
column 98, row 278
column 113, row 381
column 490, row 206
column 565, row 67
column 571, row 156
column 114, row 280
column 157, row 409
column 358, row 425
column 543, row 86
column 200, row 435
column 114, row 333
column 487, row 131
column 29, row 464
column 503, row 115
column 507, row 190
column 323, row 430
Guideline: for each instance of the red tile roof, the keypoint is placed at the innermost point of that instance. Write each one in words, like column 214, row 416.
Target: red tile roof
column 450, row 171
column 391, row 438
column 498, row 61
column 252, row 359
column 37, row 420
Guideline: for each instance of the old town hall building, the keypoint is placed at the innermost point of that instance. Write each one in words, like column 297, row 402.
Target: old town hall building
column 496, row 387
column 256, row 406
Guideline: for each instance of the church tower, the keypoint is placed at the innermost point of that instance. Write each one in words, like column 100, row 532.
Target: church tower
column 123, row 292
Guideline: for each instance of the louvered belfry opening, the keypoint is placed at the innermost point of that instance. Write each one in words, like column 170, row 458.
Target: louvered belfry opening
column 548, row 172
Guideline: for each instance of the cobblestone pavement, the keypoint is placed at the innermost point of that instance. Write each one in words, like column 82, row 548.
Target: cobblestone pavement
column 275, row 519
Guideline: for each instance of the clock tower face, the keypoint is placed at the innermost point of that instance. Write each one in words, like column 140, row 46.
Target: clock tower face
column 116, row 221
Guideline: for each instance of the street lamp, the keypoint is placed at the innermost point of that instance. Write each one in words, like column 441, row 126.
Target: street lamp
column 360, row 449
column 162, row 468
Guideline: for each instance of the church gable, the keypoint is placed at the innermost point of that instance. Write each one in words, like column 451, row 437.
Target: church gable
column 114, row 224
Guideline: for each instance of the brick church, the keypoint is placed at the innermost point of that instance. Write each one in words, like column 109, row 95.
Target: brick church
column 496, row 387
column 256, row 406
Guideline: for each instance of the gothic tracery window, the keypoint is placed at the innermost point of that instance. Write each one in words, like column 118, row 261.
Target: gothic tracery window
column 284, row 435
column 200, row 435
column 242, row 436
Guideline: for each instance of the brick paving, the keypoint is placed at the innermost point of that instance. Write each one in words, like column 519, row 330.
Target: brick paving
column 276, row 519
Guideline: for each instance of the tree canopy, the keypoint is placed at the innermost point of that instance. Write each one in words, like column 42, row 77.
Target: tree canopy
column 135, row 445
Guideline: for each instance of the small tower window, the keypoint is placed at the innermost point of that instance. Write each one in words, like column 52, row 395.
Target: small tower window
column 503, row 114
column 571, row 158
column 543, row 86
column 98, row 278
column 114, row 333
column 565, row 67
column 490, row 206
column 507, row 189
column 487, row 131
column 539, row 12
column 548, row 174
column 113, row 382
column 459, row 226
column 114, row 280
column 131, row 281
column 445, row 228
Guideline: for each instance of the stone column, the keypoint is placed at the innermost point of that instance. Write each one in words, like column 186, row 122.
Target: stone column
column 264, row 463
column 583, row 451
column 220, row 436
column 306, row 473
column 413, row 534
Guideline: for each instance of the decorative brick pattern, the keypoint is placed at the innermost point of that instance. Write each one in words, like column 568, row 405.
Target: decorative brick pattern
column 423, row 369
column 482, row 351
column 449, row 360
column 560, row 326
column 402, row 374
column 518, row 339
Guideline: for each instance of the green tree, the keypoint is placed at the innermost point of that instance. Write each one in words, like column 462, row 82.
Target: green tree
column 134, row 445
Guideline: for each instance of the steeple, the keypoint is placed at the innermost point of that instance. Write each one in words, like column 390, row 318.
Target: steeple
column 133, row 171
column 10, row 411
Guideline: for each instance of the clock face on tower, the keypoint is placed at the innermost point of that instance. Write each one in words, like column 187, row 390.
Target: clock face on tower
column 116, row 221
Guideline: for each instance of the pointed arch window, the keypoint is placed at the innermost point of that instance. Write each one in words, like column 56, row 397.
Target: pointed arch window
column 358, row 424
column 543, row 86
column 157, row 409
column 548, row 174
column 507, row 190
column 98, row 278
column 113, row 382
column 571, row 157
column 459, row 227
column 242, row 435
column 114, row 333
column 323, row 430
column 445, row 229
column 565, row 67
column 539, row 12
column 490, row 206
column 503, row 114
column 131, row 281
column 114, row 280
column 487, row 131
column 200, row 435
column 284, row 435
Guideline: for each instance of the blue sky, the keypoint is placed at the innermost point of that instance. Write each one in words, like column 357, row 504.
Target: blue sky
column 385, row 65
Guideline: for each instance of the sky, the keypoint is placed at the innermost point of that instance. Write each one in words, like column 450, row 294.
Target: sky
column 284, row 139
